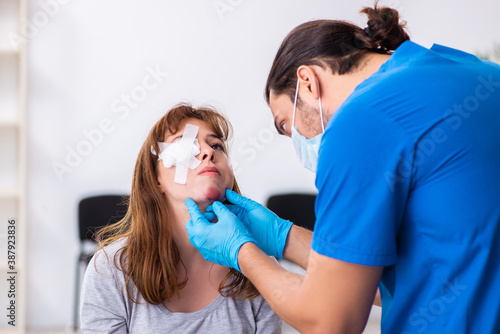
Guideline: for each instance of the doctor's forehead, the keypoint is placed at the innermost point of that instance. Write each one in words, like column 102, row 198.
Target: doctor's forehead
column 280, row 104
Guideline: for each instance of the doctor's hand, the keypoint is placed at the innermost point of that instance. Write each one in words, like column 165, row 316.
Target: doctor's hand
column 269, row 230
column 218, row 242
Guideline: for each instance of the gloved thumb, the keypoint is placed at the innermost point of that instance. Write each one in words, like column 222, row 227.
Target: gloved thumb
column 221, row 210
column 210, row 216
column 194, row 211
column 239, row 200
column 238, row 211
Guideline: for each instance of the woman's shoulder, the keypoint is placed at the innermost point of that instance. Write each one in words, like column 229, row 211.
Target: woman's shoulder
column 258, row 310
column 255, row 303
column 108, row 257
column 251, row 305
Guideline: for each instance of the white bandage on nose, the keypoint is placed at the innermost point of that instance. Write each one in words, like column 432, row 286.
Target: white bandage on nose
column 181, row 154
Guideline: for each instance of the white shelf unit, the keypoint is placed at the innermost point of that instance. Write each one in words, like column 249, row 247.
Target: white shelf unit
column 13, row 159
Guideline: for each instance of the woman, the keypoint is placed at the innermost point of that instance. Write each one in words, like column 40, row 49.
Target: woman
column 146, row 276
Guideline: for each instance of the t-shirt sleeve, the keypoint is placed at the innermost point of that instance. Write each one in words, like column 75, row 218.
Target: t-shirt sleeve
column 266, row 321
column 363, row 180
column 103, row 307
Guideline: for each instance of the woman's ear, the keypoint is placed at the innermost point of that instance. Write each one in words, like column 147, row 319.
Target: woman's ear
column 160, row 185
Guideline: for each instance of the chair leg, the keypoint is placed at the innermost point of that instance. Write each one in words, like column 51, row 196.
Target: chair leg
column 77, row 293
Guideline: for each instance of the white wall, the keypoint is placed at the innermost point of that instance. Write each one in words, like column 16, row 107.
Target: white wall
column 85, row 55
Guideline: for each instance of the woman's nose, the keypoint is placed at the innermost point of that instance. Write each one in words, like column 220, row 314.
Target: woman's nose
column 207, row 153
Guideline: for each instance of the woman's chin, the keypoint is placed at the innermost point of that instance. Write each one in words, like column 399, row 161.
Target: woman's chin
column 210, row 195
column 213, row 194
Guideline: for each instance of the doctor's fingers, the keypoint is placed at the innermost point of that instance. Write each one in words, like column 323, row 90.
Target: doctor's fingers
column 197, row 232
column 223, row 212
column 245, row 203
column 210, row 216
column 238, row 211
column 194, row 212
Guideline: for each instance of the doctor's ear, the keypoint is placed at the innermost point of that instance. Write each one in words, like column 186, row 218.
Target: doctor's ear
column 308, row 80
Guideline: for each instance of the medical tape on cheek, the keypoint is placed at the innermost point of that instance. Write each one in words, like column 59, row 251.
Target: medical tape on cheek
column 181, row 154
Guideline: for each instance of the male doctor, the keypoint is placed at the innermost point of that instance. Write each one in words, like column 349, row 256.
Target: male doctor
column 406, row 145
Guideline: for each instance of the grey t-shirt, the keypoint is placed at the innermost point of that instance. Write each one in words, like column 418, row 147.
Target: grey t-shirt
column 106, row 308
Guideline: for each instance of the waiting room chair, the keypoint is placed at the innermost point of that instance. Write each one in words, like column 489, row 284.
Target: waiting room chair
column 295, row 207
column 94, row 212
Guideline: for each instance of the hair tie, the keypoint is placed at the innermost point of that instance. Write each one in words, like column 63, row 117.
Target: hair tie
column 368, row 32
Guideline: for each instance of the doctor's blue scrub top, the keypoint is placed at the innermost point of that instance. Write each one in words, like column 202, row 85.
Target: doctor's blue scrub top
column 409, row 179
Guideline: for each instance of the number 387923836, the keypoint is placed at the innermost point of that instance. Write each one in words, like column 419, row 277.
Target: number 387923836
column 11, row 244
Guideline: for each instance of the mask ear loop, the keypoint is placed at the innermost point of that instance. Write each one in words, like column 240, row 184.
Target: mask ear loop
column 295, row 102
column 320, row 107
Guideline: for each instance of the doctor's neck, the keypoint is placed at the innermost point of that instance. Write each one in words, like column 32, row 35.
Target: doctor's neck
column 370, row 64
column 336, row 88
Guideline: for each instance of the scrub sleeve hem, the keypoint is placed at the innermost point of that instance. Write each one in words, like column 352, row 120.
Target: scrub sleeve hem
column 353, row 255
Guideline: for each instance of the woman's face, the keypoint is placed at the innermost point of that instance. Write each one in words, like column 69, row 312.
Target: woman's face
column 206, row 183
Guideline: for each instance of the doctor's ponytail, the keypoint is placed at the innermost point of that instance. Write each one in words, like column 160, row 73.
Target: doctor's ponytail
column 383, row 30
column 339, row 45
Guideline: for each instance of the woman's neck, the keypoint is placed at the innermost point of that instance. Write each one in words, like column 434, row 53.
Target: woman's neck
column 189, row 255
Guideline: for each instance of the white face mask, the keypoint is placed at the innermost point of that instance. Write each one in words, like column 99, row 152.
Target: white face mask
column 307, row 149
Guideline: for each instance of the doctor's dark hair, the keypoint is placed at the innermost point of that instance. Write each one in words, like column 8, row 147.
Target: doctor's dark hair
column 339, row 45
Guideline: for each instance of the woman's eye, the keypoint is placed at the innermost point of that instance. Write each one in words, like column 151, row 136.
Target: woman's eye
column 218, row 146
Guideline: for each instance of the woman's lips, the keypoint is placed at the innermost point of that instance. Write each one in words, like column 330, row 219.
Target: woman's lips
column 209, row 171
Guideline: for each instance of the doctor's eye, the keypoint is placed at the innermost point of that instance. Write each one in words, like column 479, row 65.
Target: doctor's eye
column 283, row 126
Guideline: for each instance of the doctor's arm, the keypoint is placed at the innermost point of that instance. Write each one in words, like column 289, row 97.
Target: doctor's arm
column 275, row 236
column 298, row 245
column 333, row 297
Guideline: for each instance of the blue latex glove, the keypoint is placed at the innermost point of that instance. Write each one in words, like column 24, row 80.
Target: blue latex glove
column 269, row 230
column 218, row 242
column 210, row 216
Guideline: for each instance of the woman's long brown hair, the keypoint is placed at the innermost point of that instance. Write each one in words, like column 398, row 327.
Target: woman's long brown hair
column 150, row 256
